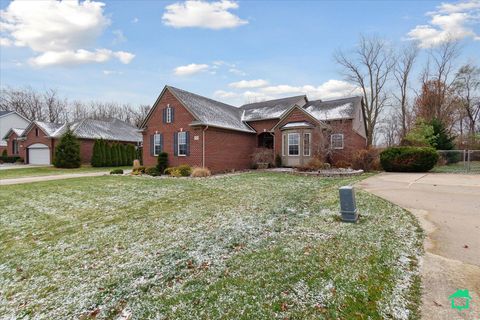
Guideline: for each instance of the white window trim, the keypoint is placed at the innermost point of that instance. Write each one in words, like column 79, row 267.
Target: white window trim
column 284, row 136
column 331, row 140
column 178, row 143
column 155, row 144
column 309, row 144
column 288, row 144
column 169, row 114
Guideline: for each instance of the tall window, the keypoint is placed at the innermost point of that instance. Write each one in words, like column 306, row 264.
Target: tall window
column 168, row 115
column 15, row 147
column 306, row 144
column 36, row 132
column 182, row 143
column 157, row 144
column 293, row 144
column 284, row 145
column 336, row 141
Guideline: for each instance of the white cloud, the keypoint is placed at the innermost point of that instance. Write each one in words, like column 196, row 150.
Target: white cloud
column 221, row 94
column 111, row 72
column 62, row 32
column 5, row 42
column 119, row 37
column 135, row 20
column 451, row 21
column 190, row 69
column 81, row 56
column 328, row 90
column 202, row 14
column 123, row 56
column 249, row 84
column 237, row 72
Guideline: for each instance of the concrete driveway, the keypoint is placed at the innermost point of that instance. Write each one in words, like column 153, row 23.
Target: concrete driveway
column 448, row 208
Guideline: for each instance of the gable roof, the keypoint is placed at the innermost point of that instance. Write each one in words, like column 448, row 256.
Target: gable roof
column 334, row 109
column 207, row 111
column 4, row 113
column 17, row 131
column 270, row 109
column 211, row 112
column 48, row 127
column 114, row 130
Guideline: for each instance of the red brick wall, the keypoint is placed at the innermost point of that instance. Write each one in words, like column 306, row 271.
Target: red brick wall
column 182, row 119
column 352, row 141
column 263, row 125
column 31, row 138
column 226, row 150
column 86, row 150
column 9, row 148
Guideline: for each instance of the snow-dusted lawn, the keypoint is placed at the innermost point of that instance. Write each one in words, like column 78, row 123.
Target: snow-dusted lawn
column 50, row 171
column 251, row 246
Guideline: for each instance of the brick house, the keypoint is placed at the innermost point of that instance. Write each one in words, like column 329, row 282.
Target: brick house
column 36, row 144
column 199, row 131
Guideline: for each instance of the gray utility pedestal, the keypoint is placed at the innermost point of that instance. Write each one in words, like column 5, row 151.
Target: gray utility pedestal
column 348, row 205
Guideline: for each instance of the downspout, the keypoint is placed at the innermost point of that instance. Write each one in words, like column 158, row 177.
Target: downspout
column 203, row 146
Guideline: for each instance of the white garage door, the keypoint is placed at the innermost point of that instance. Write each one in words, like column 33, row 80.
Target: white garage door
column 38, row 154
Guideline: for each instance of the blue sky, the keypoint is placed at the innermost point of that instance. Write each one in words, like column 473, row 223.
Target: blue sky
column 286, row 46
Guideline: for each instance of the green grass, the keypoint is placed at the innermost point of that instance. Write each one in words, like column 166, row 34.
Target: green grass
column 49, row 171
column 248, row 246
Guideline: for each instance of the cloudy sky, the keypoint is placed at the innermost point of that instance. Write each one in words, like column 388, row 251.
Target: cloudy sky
column 233, row 51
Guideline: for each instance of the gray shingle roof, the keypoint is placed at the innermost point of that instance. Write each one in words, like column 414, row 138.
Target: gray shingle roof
column 270, row 109
column 2, row 113
column 48, row 127
column 113, row 130
column 333, row 109
column 211, row 112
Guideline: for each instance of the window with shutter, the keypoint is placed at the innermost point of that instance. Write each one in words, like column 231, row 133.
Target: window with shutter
column 157, row 145
column 182, row 143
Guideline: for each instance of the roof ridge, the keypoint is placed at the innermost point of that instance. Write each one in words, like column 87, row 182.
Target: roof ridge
column 198, row 95
column 271, row 100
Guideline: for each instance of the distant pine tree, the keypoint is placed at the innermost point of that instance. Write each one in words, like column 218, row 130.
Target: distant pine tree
column 108, row 155
column 95, row 156
column 67, row 152
column 102, row 153
column 115, row 155
column 123, row 152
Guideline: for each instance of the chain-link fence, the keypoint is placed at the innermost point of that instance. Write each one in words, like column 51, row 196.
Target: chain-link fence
column 458, row 161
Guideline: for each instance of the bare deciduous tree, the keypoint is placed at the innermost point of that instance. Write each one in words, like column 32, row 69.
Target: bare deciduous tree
column 467, row 89
column 437, row 79
column 369, row 68
column 49, row 106
column 403, row 67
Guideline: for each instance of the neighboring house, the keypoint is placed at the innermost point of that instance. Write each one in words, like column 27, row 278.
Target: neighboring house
column 199, row 131
column 36, row 144
column 10, row 120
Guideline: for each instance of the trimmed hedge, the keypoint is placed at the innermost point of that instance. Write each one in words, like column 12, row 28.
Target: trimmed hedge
column 12, row 159
column 116, row 171
column 408, row 159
